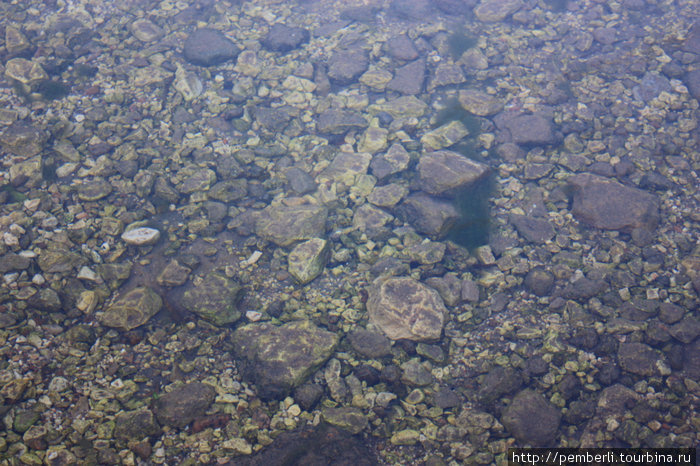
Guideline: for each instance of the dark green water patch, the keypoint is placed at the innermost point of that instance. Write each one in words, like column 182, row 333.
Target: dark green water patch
column 452, row 110
column 458, row 43
column 473, row 227
column 53, row 90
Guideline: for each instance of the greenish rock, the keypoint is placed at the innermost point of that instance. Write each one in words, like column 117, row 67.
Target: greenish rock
column 114, row 274
column 16, row 43
column 24, row 419
column 35, row 437
column 59, row 260
column 183, row 404
column 136, row 425
column 286, row 224
column 214, row 299
column 347, row 418
column 376, row 79
column 639, row 358
column 405, row 437
column 200, row 180
column 145, row 31
column 426, row 252
column 27, row 172
column 25, row 71
column 479, row 103
column 94, row 190
column 373, row 140
column 388, row 195
column 414, row 374
column 445, row 135
column 404, row 308
column 281, row 358
column 23, row 139
column 402, row 107
column 444, row 172
column 66, row 149
column 345, row 168
column 229, row 190
column 307, row 259
column 46, row 300
column 335, row 121
column 131, row 310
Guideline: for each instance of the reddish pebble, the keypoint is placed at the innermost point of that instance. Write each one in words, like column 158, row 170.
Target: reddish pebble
column 92, row 90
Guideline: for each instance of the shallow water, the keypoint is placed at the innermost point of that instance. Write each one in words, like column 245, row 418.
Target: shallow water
column 386, row 232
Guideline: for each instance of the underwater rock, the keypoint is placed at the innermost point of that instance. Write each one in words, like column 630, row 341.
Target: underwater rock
column 404, row 308
column 132, row 310
column 307, row 259
column 394, row 161
column 402, row 48
column 371, row 220
column 345, row 66
column 429, row 215
column 282, row 38
column 284, row 225
column 444, row 136
column 531, row 419
column 214, row 299
column 535, row 230
column 94, row 190
column 59, row 260
column 639, row 359
column 145, row 31
column 135, row 425
column 529, row 129
column 280, row 358
column 388, row 195
column 206, row 47
column 23, row 139
column 143, row 236
column 371, row 345
column 491, row 11
column 408, row 79
column 334, row 121
column 605, row 203
column 24, row 71
column 182, row 405
column 444, row 172
column 347, row 418
column 479, row 103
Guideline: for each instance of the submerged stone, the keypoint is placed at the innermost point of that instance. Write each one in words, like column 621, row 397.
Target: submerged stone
column 479, row 103
column 607, row 204
column 404, row 308
column 23, row 139
column 132, row 310
column 214, row 299
column 446, row 171
column 185, row 403
column 429, row 215
column 307, row 259
column 135, row 425
column 286, row 224
column 206, row 47
column 531, row 419
column 143, row 236
column 280, row 358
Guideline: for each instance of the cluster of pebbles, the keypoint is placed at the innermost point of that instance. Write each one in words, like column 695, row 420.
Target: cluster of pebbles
column 391, row 231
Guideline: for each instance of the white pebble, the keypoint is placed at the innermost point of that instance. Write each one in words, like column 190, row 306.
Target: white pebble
column 141, row 236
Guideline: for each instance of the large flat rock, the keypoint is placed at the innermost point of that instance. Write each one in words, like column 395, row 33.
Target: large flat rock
column 607, row 204
column 404, row 308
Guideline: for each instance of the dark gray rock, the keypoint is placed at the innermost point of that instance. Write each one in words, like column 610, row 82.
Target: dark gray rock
column 299, row 181
column 498, row 382
column 429, row 215
column 670, row 313
column 281, row 358
column 345, row 66
column 402, row 48
column 135, row 425
column 639, row 358
column 607, row 204
column 46, row 299
column 692, row 41
column 370, row 344
column 692, row 81
column 583, row 289
column 686, row 330
column 282, row 38
column 394, row 161
column 272, row 119
column 535, row 230
column 185, row 403
column 409, row 79
column 538, row 281
column 530, row 129
column 334, row 121
column 207, row 47
column 414, row 374
column 530, row 418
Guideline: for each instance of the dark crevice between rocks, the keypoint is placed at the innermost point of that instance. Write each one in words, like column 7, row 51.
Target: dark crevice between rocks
column 472, row 229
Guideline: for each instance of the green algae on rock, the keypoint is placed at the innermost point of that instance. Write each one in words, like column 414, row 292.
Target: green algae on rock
column 214, row 299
